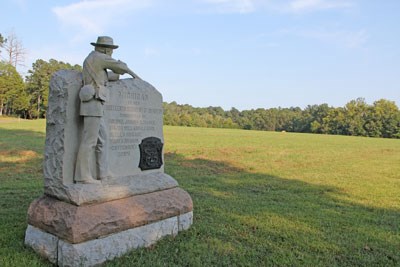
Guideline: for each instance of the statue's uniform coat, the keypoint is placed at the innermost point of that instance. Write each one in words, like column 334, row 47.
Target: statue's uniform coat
column 94, row 73
column 92, row 160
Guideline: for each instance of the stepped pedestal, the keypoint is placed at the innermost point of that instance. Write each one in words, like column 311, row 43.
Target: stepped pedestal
column 78, row 224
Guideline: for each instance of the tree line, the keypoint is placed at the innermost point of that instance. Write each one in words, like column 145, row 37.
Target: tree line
column 356, row 118
column 27, row 98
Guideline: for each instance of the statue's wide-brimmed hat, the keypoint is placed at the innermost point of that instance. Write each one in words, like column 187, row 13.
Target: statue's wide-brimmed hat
column 105, row 41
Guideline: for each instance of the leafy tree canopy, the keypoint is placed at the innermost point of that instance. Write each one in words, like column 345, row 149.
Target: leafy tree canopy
column 38, row 80
column 382, row 119
column 11, row 84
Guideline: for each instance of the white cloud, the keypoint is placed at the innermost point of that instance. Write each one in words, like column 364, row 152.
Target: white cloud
column 347, row 39
column 292, row 6
column 313, row 5
column 149, row 51
column 342, row 38
column 94, row 17
column 358, row 39
column 233, row 6
column 22, row 4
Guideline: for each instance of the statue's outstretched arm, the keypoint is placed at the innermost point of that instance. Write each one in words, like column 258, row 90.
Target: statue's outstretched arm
column 134, row 75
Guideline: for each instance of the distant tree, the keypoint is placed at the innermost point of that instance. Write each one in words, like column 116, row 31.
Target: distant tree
column 198, row 120
column 216, row 111
column 21, row 103
column 355, row 117
column 270, row 119
column 234, row 114
column 246, row 121
column 313, row 118
column 384, row 119
column 282, row 119
column 258, row 119
column 38, row 83
column 14, row 50
column 2, row 41
column 332, row 123
column 11, row 84
column 295, row 124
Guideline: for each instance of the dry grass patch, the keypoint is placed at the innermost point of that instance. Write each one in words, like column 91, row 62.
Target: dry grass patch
column 17, row 156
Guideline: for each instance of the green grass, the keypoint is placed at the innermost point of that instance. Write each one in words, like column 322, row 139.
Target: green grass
column 260, row 198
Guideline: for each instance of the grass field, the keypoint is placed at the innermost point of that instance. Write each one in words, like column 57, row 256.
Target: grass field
column 260, row 198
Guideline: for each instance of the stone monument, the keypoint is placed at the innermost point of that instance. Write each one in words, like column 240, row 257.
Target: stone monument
column 106, row 192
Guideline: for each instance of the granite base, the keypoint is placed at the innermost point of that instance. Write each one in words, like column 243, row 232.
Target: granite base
column 70, row 235
column 97, row 251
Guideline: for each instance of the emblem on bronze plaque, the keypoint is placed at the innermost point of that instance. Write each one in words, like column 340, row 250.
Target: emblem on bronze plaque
column 150, row 153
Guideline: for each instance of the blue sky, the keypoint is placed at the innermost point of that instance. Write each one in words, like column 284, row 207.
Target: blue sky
column 229, row 53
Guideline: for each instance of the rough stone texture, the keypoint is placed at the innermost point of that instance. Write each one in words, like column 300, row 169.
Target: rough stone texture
column 87, row 224
column 133, row 112
column 76, row 224
column 63, row 127
column 99, row 250
column 185, row 221
column 84, row 194
column 43, row 243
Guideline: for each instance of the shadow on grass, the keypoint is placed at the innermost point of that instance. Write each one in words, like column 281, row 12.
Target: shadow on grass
column 241, row 218
column 253, row 218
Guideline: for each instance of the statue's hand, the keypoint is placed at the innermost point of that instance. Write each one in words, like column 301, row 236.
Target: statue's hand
column 134, row 76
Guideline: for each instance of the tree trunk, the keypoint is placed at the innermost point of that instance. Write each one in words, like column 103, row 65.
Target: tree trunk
column 38, row 107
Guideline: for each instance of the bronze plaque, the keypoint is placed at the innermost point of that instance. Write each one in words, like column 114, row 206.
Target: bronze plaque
column 150, row 153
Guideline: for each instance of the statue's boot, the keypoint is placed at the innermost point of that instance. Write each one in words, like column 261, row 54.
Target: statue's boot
column 89, row 181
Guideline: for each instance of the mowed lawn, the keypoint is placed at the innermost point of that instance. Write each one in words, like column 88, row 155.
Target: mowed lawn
column 260, row 198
